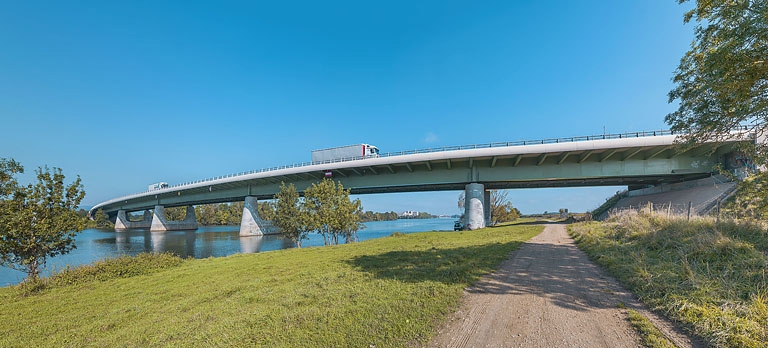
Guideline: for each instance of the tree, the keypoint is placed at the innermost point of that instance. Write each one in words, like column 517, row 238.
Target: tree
column 37, row 221
column 101, row 220
column 175, row 213
column 8, row 183
column 722, row 81
column 289, row 215
column 501, row 208
column 331, row 213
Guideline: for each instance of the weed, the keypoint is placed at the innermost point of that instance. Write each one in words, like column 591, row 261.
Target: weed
column 649, row 334
column 708, row 275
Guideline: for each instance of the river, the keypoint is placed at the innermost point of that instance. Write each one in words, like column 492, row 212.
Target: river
column 208, row 241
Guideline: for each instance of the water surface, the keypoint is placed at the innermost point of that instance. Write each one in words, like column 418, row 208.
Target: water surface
column 208, row 241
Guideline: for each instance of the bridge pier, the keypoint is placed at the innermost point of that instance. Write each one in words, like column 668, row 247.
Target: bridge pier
column 249, row 224
column 122, row 222
column 474, row 197
column 161, row 224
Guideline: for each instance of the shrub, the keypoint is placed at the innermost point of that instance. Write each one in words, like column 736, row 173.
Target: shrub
column 118, row 267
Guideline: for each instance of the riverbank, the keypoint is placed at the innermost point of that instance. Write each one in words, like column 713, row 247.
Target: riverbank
column 205, row 242
column 392, row 291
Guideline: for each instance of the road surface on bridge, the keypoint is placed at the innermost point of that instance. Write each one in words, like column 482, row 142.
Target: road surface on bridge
column 548, row 294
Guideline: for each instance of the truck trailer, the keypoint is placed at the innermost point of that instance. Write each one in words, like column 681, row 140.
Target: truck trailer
column 357, row 151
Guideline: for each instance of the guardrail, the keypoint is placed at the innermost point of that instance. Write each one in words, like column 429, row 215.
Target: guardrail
column 438, row 149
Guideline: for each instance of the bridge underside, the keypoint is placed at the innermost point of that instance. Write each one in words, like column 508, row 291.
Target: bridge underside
column 502, row 185
column 631, row 166
column 634, row 163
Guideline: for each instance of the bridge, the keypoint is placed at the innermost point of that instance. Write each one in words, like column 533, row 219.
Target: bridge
column 640, row 159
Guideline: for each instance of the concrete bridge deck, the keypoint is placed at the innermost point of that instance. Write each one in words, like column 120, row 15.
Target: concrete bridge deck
column 632, row 159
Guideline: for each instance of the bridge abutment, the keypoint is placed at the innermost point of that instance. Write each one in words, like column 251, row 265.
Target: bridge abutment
column 161, row 224
column 249, row 224
column 474, row 199
column 122, row 222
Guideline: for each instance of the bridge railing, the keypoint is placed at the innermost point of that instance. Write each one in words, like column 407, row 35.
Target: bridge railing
column 440, row 149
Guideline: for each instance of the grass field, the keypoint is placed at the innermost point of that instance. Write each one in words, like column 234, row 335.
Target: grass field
column 713, row 277
column 392, row 291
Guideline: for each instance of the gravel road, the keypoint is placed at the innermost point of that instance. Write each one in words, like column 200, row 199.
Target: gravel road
column 548, row 294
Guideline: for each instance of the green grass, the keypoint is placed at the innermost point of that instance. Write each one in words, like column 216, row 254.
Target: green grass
column 713, row 277
column 649, row 334
column 118, row 267
column 392, row 291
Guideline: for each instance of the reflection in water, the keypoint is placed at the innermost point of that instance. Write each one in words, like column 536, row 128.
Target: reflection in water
column 181, row 243
column 158, row 241
column 250, row 244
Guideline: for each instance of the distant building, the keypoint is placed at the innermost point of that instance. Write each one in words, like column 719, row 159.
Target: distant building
column 409, row 214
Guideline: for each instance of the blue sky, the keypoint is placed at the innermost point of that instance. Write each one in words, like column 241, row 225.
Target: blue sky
column 129, row 93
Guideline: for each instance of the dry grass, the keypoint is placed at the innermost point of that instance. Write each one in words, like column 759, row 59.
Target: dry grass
column 710, row 276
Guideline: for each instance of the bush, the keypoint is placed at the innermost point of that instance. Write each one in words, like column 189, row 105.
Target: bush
column 119, row 267
column 102, row 270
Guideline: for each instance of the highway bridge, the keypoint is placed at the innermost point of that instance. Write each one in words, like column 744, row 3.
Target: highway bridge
column 639, row 159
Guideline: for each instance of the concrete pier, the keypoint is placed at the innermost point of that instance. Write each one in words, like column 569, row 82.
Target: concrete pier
column 161, row 224
column 249, row 224
column 122, row 223
column 473, row 206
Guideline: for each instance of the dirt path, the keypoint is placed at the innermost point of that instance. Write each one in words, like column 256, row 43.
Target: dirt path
column 548, row 294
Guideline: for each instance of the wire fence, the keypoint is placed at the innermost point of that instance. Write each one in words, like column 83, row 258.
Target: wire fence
column 710, row 207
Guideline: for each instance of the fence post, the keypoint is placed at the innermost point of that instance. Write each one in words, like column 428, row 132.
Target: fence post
column 689, row 209
column 717, row 219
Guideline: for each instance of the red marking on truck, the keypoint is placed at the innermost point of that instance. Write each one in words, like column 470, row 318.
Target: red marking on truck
column 363, row 150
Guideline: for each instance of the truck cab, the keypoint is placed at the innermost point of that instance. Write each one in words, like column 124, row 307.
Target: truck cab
column 371, row 151
column 157, row 186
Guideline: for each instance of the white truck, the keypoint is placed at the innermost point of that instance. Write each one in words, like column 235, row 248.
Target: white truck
column 357, row 151
column 157, row 186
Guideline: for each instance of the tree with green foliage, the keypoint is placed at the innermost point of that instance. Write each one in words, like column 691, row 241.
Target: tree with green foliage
column 175, row 213
column 722, row 81
column 101, row 220
column 205, row 214
column 8, row 183
column 371, row 216
column 218, row 214
column 331, row 213
column 289, row 214
column 37, row 221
